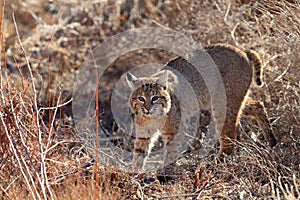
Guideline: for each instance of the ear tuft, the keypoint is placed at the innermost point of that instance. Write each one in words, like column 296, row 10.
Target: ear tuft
column 163, row 79
column 131, row 80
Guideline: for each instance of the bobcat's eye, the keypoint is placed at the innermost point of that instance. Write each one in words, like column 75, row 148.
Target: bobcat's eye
column 154, row 99
column 141, row 99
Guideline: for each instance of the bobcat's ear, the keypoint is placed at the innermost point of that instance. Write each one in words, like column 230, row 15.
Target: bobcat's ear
column 163, row 79
column 131, row 80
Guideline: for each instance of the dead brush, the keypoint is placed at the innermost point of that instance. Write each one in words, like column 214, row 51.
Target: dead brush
column 34, row 153
column 34, row 162
column 21, row 143
column 254, row 172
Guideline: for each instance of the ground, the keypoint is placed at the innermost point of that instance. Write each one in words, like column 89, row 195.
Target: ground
column 44, row 45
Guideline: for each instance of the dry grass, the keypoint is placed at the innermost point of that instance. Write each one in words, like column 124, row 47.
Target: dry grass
column 38, row 141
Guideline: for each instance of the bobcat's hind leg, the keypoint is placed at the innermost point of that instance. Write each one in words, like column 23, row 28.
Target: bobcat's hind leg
column 225, row 131
column 256, row 110
column 227, row 136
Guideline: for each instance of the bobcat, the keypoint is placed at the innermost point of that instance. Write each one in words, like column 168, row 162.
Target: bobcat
column 156, row 109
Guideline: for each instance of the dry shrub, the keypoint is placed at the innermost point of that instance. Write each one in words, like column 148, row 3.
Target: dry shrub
column 35, row 143
column 255, row 172
column 36, row 152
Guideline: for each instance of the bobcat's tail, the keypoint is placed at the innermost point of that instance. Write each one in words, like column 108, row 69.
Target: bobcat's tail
column 257, row 66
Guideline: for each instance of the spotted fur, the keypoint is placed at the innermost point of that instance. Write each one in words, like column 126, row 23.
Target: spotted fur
column 155, row 108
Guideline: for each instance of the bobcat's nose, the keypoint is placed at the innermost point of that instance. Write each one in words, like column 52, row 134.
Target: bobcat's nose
column 146, row 111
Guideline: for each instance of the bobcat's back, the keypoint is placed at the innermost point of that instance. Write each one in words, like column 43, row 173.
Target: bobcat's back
column 236, row 69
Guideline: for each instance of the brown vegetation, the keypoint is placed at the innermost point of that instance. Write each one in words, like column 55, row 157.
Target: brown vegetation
column 40, row 151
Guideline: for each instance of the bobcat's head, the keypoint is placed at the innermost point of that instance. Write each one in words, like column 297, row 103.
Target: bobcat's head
column 150, row 95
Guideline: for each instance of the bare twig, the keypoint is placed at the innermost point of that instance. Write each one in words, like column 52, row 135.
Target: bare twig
column 16, row 154
column 2, row 44
column 57, row 106
column 178, row 196
column 50, row 134
column 227, row 12
column 43, row 166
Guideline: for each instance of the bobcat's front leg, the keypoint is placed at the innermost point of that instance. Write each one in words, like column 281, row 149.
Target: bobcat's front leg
column 140, row 151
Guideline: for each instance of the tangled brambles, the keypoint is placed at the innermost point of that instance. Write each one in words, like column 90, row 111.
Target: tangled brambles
column 41, row 154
